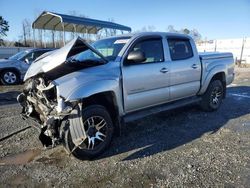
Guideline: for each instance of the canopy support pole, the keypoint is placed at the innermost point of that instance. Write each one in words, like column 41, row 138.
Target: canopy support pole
column 44, row 36
column 81, row 32
column 63, row 34
column 54, row 35
column 86, row 34
column 106, row 32
column 34, row 38
column 74, row 30
column 53, row 38
column 41, row 36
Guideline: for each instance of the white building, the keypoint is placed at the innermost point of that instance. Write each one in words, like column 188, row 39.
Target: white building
column 228, row 45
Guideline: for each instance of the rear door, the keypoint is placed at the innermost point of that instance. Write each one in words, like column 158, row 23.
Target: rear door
column 146, row 84
column 185, row 72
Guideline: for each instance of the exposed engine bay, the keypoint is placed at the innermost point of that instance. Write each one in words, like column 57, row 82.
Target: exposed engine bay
column 41, row 104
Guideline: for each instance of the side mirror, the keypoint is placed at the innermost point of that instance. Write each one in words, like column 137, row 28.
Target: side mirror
column 26, row 61
column 136, row 57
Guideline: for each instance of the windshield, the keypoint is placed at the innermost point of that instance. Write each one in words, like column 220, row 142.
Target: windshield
column 111, row 47
column 86, row 57
column 19, row 55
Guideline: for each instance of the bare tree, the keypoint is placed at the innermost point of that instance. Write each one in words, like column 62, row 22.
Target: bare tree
column 171, row 29
column 26, row 25
column 4, row 28
column 185, row 31
column 146, row 29
column 24, row 34
column 193, row 32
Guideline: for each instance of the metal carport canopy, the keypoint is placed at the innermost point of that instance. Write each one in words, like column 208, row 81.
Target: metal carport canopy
column 62, row 22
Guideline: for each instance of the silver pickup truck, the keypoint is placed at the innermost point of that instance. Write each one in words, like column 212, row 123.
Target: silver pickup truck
column 81, row 94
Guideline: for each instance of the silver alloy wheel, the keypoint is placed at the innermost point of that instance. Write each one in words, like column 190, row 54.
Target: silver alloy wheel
column 95, row 130
column 10, row 77
column 216, row 95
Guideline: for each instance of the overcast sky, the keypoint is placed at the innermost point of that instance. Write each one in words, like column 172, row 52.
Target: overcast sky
column 214, row 19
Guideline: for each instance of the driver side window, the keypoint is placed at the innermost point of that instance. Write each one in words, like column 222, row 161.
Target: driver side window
column 152, row 49
column 29, row 57
column 33, row 55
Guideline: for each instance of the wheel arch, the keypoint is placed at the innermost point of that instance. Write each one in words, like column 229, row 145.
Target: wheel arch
column 220, row 75
column 14, row 69
column 109, row 101
column 10, row 68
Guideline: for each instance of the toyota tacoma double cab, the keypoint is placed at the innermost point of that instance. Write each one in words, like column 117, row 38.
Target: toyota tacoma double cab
column 81, row 94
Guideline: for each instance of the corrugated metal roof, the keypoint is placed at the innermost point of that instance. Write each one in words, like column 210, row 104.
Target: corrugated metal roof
column 55, row 21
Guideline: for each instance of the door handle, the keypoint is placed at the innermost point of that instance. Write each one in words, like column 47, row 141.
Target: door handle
column 194, row 66
column 164, row 70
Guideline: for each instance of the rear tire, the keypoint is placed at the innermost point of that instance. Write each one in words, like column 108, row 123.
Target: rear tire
column 212, row 98
column 99, row 115
column 9, row 77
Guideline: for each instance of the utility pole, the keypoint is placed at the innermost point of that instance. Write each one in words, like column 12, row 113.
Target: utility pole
column 34, row 38
column 242, row 49
column 215, row 47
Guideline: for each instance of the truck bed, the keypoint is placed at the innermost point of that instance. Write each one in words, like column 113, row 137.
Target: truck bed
column 215, row 55
column 224, row 60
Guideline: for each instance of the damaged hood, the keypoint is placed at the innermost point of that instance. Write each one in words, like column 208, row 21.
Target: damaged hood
column 53, row 59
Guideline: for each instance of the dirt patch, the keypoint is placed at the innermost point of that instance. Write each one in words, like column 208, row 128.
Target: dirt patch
column 20, row 158
column 4, row 88
column 22, row 180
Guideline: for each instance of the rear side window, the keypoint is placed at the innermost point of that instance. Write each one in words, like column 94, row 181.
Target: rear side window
column 38, row 53
column 180, row 49
column 152, row 48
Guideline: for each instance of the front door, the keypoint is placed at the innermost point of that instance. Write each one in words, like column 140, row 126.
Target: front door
column 147, row 83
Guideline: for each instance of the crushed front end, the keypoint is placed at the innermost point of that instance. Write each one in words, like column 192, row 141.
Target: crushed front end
column 49, row 82
column 41, row 103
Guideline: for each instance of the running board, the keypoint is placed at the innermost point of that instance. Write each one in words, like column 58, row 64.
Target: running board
column 160, row 108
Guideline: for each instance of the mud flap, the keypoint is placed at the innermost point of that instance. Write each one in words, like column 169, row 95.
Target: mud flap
column 77, row 132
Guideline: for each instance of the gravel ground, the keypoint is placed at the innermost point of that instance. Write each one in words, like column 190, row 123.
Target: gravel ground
column 182, row 148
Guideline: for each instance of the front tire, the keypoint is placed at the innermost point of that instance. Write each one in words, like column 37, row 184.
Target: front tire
column 99, row 129
column 9, row 77
column 212, row 98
